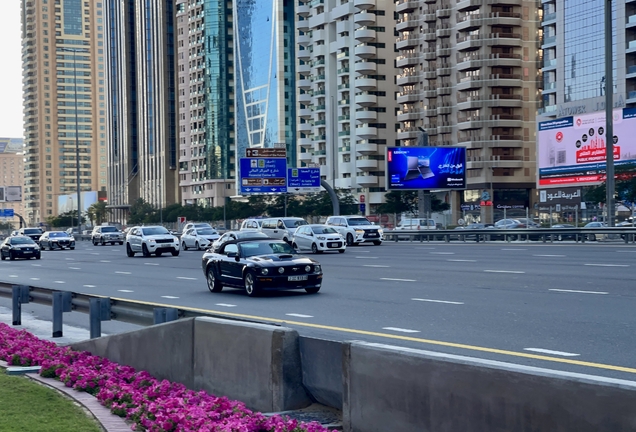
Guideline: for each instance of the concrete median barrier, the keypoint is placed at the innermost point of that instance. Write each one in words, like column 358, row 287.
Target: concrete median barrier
column 322, row 370
column 404, row 390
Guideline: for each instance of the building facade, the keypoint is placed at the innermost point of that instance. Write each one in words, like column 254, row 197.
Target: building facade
column 469, row 76
column 346, row 92
column 12, row 174
column 62, row 62
column 142, row 104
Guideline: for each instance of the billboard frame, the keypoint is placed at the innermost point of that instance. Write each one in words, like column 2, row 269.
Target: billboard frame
column 387, row 176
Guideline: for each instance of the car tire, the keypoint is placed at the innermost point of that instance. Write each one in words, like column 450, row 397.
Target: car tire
column 158, row 253
column 2, row 257
column 591, row 237
column 129, row 251
column 175, row 253
column 11, row 256
column 103, row 242
column 36, row 257
column 377, row 242
column 196, row 246
column 94, row 242
column 121, row 243
column 314, row 249
column 72, row 248
column 312, row 290
column 249, row 282
column 183, row 246
column 295, row 246
column 144, row 251
column 341, row 251
column 349, row 239
column 214, row 284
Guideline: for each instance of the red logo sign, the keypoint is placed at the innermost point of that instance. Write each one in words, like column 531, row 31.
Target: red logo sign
column 578, row 122
column 559, row 136
column 361, row 198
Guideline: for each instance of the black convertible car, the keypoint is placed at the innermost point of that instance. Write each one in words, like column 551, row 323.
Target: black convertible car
column 259, row 264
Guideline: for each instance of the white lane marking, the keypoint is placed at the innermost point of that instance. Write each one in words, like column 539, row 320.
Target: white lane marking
column 186, row 278
column 60, row 282
column 397, row 329
column 515, row 249
column 126, row 291
column 121, row 272
column 547, row 255
column 399, row 280
column 626, row 251
column 504, row 271
column 151, row 263
column 69, row 259
column 442, row 253
column 35, row 278
column 225, row 305
column 367, row 257
column 94, row 253
column 578, row 291
column 437, row 301
column 546, row 351
column 375, row 265
column 461, row 260
column 169, row 297
column 89, row 286
column 74, row 268
column 363, row 251
column 607, row 265
column 115, row 250
column 299, row 315
column 104, row 261
column 36, row 265
column 13, row 276
column 427, row 248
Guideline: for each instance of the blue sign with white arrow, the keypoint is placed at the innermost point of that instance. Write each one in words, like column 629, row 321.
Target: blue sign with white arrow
column 303, row 180
column 263, row 175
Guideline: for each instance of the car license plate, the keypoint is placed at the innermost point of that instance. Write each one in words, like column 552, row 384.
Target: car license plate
column 297, row 278
column 372, row 234
column 333, row 245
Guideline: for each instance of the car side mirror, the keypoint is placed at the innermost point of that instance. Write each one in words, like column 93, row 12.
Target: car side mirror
column 232, row 254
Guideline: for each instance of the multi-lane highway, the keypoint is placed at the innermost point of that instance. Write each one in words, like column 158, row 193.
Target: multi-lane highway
column 561, row 306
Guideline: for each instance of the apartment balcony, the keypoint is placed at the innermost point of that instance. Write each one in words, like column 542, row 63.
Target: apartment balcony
column 443, row 50
column 318, row 36
column 318, row 79
column 444, row 10
column 305, row 128
column 408, row 79
column 303, row 54
column 366, row 84
column 488, row 100
column 429, row 54
column 474, row 60
column 343, row 42
column 407, row 41
column 364, row 18
column 444, row 128
column 303, row 69
column 304, row 98
column 366, row 180
column 429, row 92
column 304, row 113
column 365, row 51
column 366, row 132
column 366, row 99
column 494, row 80
column 364, row 34
column 305, row 157
column 319, row 139
column 478, row 122
column 302, row 25
column 302, row 9
column 409, row 96
column 471, row 42
column 409, row 59
column 479, row 162
column 343, row 71
column 304, row 84
column 319, row 50
column 471, row 21
column 344, row 118
column 411, row 115
column 430, row 111
column 319, row 108
column 366, row 148
column 491, row 141
column 305, row 142
column 444, row 88
column 410, row 22
column 364, row 4
column 443, row 71
column 444, row 109
column 404, row 6
column 366, row 164
column 303, row 39
column 366, row 116
column 365, row 68
column 409, row 133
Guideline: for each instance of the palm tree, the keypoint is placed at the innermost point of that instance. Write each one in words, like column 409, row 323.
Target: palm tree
column 97, row 213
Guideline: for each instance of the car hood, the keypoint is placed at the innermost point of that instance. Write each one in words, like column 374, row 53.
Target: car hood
column 277, row 259
column 25, row 246
column 161, row 237
column 365, row 227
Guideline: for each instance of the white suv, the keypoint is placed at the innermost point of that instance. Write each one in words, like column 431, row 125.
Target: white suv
column 282, row 228
column 356, row 229
column 151, row 240
column 106, row 234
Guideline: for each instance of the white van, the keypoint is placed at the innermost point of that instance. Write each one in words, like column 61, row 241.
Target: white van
column 282, row 228
column 416, row 224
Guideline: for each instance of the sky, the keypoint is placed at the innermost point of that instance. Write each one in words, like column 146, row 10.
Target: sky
column 10, row 71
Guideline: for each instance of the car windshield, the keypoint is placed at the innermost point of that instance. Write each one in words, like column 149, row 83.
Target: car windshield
column 247, row 234
column 202, row 225
column 109, row 229
column 22, row 240
column 358, row 221
column 250, row 249
column 294, row 223
column 154, row 231
column 323, row 230
column 33, row 231
column 57, row 234
column 206, row 231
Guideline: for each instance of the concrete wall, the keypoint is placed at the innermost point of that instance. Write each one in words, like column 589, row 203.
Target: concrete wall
column 390, row 388
column 322, row 370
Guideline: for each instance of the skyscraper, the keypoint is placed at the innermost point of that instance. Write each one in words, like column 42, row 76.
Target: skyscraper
column 142, row 103
column 62, row 61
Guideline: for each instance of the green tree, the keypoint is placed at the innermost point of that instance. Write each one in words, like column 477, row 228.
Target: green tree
column 141, row 212
column 625, row 182
column 98, row 213
column 399, row 202
column 64, row 220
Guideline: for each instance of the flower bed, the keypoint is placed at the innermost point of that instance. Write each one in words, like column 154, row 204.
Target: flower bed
column 148, row 403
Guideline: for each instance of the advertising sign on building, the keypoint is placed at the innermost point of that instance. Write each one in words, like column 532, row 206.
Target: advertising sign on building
column 10, row 193
column 426, row 168
column 564, row 198
column 571, row 150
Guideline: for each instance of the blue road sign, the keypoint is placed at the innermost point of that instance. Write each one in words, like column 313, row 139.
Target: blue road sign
column 301, row 180
column 263, row 175
column 6, row 213
column 363, row 207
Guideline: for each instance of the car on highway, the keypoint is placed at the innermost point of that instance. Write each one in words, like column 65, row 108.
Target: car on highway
column 19, row 247
column 149, row 240
column 56, row 240
column 236, row 235
column 318, row 238
column 561, row 237
column 191, row 225
column 198, row 238
column 256, row 265
column 595, row 224
column 416, row 224
column 251, row 223
column 106, row 234
column 356, row 229
column 34, row 233
column 282, row 228
column 472, row 226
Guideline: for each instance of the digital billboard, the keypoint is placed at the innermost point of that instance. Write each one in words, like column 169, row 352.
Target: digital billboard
column 571, row 150
column 10, row 193
column 426, row 168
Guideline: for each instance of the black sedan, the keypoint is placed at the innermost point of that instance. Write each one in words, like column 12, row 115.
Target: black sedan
column 57, row 240
column 19, row 247
column 259, row 264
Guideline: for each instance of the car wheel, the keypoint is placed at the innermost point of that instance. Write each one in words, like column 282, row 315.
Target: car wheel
column 250, row 284
column 72, row 248
column 175, row 253
column 349, row 240
column 591, row 237
column 314, row 248
column 36, row 257
column 377, row 242
column 183, row 246
column 94, row 242
column 312, row 290
column 129, row 251
column 144, row 251
column 341, row 250
column 121, row 243
column 2, row 257
column 214, row 285
column 158, row 253
column 560, row 238
column 103, row 242
column 11, row 256
column 295, row 246
column 196, row 246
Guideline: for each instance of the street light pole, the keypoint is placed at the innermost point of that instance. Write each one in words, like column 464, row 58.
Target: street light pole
column 609, row 125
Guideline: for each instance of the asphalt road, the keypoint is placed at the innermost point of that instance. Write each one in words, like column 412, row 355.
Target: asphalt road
column 563, row 306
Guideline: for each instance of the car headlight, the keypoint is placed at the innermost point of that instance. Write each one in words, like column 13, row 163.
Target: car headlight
column 308, row 268
column 151, row 241
column 281, row 270
column 381, row 231
column 359, row 231
column 321, row 238
column 317, row 269
column 264, row 271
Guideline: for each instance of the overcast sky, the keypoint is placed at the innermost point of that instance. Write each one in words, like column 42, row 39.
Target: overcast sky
column 10, row 71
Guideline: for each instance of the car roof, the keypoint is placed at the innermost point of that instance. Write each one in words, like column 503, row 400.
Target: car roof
column 254, row 239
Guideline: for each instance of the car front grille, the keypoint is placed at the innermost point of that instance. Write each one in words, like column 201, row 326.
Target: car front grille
column 371, row 233
column 163, row 240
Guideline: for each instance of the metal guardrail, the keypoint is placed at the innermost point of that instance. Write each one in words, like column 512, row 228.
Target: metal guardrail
column 628, row 235
column 99, row 308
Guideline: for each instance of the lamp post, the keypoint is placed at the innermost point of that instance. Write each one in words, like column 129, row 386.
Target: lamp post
column 77, row 157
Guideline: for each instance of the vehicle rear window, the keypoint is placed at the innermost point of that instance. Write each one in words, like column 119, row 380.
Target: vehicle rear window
column 109, row 229
column 294, row 223
column 33, row 231
column 323, row 230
